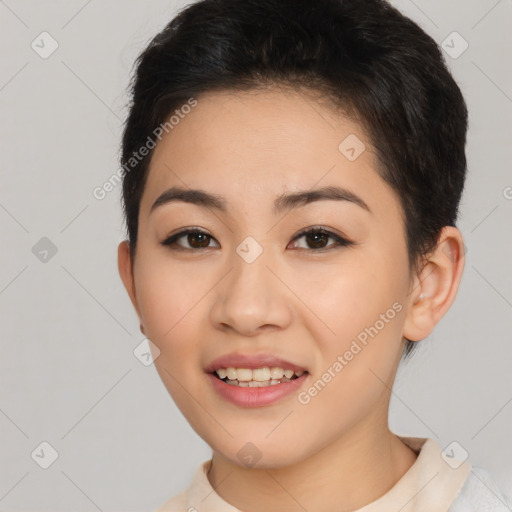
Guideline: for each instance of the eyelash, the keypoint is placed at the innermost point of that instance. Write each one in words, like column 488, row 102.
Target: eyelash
column 170, row 242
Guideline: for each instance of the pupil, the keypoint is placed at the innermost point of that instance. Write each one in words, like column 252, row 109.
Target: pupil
column 315, row 243
column 198, row 235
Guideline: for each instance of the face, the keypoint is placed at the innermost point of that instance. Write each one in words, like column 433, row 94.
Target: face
column 248, row 282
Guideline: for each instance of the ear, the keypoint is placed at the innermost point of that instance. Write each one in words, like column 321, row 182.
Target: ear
column 125, row 267
column 435, row 288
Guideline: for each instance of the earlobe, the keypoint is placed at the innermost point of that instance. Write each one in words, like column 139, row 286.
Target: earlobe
column 435, row 288
column 125, row 268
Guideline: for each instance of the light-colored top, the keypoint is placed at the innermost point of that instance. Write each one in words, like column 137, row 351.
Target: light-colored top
column 436, row 482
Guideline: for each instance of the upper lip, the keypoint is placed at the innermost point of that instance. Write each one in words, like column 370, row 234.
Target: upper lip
column 251, row 361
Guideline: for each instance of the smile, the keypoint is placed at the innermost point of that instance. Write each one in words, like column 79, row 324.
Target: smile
column 257, row 377
column 255, row 393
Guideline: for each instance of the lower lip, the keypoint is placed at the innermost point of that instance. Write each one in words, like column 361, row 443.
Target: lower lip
column 255, row 397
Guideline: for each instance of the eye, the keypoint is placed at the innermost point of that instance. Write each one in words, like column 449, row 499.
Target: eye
column 195, row 238
column 317, row 237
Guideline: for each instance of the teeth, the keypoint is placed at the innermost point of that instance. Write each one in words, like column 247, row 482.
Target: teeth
column 256, row 384
column 244, row 374
column 258, row 374
column 261, row 374
column 230, row 373
column 259, row 377
column 276, row 373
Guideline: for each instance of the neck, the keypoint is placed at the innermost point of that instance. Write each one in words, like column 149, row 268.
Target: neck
column 353, row 471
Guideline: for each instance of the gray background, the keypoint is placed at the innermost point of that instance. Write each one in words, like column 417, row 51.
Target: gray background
column 68, row 372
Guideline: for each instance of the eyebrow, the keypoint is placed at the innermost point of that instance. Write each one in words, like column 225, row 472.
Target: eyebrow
column 282, row 203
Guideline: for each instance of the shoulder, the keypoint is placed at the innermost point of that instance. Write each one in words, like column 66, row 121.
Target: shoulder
column 480, row 494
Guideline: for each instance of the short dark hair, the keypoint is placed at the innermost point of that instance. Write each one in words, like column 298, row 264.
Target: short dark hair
column 365, row 57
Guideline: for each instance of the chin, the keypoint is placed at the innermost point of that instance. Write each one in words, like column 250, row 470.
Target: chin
column 259, row 453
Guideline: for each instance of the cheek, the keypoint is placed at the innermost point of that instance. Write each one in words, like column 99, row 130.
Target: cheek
column 346, row 298
column 361, row 309
column 171, row 319
column 168, row 295
column 172, row 312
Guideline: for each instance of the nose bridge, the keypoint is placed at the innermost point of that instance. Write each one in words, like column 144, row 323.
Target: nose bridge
column 250, row 278
column 251, row 296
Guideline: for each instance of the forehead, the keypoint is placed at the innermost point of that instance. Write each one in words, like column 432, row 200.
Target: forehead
column 256, row 144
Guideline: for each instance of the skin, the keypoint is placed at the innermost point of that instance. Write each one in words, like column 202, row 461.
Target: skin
column 301, row 305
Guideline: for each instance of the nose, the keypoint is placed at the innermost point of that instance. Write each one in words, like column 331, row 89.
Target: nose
column 252, row 298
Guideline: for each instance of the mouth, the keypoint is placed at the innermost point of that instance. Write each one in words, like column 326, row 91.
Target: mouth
column 256, row 387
